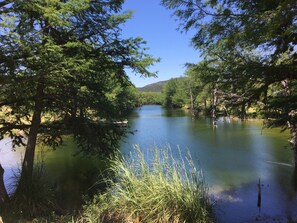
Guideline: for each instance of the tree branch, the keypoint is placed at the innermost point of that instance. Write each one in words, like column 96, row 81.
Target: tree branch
column 5, row 103
column 9, row 126
column 4, row 3
column 212, row 14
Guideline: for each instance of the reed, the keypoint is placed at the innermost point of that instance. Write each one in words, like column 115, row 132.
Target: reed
column 164, row 189
column 30, row 201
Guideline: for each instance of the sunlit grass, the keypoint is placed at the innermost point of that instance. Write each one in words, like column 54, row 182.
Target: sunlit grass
column 165, row 189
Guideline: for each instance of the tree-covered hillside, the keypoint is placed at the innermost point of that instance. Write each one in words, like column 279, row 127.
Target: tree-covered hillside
column 155, row 87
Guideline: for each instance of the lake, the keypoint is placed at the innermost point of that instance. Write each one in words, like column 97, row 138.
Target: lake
column 234, row 156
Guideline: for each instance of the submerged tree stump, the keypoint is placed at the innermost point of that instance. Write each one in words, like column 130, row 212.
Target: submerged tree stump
column 3, row 193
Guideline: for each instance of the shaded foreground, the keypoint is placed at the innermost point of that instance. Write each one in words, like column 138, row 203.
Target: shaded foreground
column 151, row 187
column 160, row 189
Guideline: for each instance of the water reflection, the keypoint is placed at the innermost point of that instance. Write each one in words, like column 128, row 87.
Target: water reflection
column 233, row 158
column 294, row 181
column 259, row 201
column 72, row 176
column 10, row 160
column 174, row 112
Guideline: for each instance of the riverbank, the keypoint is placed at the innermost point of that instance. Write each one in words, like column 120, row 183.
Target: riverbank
column 165, row 189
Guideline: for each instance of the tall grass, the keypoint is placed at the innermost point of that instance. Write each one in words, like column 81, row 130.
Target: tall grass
column 31, row 200
column 164, row 189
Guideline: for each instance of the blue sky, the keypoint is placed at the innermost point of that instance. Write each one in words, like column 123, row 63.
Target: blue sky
column 154, row 24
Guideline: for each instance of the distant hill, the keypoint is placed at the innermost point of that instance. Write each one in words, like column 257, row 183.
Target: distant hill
column 155, row 87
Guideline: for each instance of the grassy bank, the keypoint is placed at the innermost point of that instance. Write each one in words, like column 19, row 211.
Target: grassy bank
column 153, row 189
column 165, row 190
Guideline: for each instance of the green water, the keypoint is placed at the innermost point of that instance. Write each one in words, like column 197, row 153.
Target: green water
column 233, row 157
column 71, row 175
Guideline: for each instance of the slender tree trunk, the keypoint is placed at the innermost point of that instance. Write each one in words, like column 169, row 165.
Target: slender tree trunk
column 81, row 113
column 293, row 140
column 294, row 143
column 226, row 113
column 4, row 198
column 73, row 115
column 192, row 102
column 291, row 124
column 295, row 155
column 74, row 107
column 214, row 106
column 243, row 112
column 28, row 162
column 265, row 96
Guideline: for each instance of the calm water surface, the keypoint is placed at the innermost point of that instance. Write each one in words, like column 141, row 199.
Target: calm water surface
column 233, row 157
column 71, row 175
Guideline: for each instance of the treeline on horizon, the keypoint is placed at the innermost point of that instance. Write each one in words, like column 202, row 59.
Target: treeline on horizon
column 191, row 93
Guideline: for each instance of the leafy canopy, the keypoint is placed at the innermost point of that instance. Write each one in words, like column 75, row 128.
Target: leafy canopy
column 65, row 60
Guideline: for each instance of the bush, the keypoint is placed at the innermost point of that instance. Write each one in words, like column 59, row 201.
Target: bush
column 162, row 190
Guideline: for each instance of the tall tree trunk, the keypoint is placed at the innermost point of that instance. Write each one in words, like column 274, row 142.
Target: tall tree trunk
column 293, row 140
column 226, row 113
column 291, row 124
column 192, row 102
column 243, row 111
column 4, row 198
column 28, row 162
column 295, row 155
column 214, row 106
column 265, row 96
column 205, row 106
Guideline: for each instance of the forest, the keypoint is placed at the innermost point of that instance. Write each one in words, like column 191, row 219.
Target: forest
column 63, row 73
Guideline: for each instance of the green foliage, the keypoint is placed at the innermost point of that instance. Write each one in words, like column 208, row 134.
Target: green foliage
column 200, row 84
column 280, row 109
column 150, row 98
column 249, row 50
column 65, row 61
column 175, row 93
column 62, row 71
column 159, row 190
column 235, row 25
